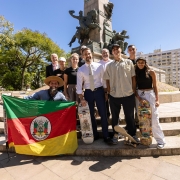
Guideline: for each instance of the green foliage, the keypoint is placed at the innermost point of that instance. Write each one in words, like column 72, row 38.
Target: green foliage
column 24, row 56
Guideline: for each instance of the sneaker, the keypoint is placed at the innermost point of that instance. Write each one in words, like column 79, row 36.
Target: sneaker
column 115, row 139
column 136, row 139
column 112, row 141
column 160, row 146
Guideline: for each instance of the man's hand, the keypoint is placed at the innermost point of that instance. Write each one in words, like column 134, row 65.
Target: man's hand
column 83, row 102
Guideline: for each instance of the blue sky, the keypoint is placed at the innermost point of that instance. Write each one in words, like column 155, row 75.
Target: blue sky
column 151, row 24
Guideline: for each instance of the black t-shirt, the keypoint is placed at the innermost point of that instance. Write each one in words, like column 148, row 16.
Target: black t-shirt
column 72, row 75
column 60, row 73
column 133, row 61
column 81, row 62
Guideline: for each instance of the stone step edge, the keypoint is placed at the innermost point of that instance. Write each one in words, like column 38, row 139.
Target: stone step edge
column 110, row 151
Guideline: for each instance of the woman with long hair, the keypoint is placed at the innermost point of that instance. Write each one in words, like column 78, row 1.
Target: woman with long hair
column 147, row 90
column 70, row 79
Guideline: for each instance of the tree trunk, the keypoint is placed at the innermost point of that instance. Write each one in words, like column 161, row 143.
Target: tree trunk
column 22, row 77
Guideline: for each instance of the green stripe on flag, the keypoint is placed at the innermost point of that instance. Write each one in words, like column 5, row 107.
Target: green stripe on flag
column 19, row 108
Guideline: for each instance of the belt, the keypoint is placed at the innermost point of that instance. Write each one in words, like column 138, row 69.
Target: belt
column 95, row 89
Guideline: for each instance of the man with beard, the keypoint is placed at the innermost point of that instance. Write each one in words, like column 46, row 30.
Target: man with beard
column 90, row 77
column 51, row 94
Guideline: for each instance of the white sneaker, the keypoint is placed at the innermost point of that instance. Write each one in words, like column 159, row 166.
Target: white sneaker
column 160, row 146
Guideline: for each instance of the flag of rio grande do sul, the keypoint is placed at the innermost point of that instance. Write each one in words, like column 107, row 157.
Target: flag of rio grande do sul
column 41, row 128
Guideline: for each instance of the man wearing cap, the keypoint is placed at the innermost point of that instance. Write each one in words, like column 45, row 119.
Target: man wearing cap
column 51, row 68
column 120, row 80
column 104, row 62
column 81, row 60
column 60, row 71
column 51, row 94
column 90, row 75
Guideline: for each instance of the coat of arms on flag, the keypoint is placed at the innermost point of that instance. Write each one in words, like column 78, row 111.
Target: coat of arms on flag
column 40, row 128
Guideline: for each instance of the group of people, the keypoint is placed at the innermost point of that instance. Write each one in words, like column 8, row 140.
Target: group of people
column 108, row 84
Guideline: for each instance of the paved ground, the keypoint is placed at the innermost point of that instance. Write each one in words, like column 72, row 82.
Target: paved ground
column 89, row 168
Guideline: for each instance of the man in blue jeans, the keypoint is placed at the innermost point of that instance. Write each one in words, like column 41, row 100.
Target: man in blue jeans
column 120, row 81
column 90, row 76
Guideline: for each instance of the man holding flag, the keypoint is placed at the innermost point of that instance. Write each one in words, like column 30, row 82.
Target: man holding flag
column 51, row 94
column 45, row 127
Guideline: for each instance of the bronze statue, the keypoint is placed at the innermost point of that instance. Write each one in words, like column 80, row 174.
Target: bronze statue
column 119, row 38
column 86, row 24
column 108, row 8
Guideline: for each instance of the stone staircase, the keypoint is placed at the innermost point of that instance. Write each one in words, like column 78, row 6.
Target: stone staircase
column 170, row 124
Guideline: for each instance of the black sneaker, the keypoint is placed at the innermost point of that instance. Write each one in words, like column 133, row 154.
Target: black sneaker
column 108, row 140
column 136, row 139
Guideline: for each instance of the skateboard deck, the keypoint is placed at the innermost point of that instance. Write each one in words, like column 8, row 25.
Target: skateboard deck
column 145, row 125
column 128, row 139
column 86, row 125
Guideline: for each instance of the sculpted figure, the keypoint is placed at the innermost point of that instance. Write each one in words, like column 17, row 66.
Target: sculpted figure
column 86, row 24
column 119, row 38
column 108, row 8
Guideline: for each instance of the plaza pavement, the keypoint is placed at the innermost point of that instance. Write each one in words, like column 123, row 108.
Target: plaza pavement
column 21, row 167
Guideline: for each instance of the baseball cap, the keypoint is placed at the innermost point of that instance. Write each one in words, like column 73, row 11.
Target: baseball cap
column 62, row 59
column 140, row 58
column 115, row 45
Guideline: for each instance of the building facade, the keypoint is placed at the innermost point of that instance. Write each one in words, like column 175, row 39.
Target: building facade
column 168, row 61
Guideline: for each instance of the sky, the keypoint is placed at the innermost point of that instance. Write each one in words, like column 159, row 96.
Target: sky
column 151, row 24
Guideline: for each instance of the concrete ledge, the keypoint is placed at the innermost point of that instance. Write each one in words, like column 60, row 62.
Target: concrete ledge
column 168, row 97
column 99, row 148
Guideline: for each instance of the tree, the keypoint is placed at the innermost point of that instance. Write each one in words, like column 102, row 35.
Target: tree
column 29, row 49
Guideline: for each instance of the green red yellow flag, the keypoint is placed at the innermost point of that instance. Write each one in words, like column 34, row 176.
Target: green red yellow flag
column 41, row 128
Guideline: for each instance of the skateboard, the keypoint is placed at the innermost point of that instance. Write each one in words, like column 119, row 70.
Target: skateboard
column 86, row 125
column 145, row 125
column 128, row 139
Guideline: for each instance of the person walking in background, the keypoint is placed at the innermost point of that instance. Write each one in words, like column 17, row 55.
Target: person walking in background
column 70, row 79
column 54, row 65
column 120, row 80
column 147, row 90
column 60, row 72
column 90, row 77
column 104, row 62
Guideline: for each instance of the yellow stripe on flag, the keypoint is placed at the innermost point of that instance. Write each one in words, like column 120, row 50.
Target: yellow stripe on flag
column 65, row 144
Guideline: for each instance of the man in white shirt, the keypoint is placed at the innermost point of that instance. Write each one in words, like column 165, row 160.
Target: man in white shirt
column 104, row 62
column 91, row 76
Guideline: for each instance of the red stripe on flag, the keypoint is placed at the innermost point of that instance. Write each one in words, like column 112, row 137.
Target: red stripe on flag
column 62, row 122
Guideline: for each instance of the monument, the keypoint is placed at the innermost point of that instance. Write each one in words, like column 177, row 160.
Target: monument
column 95, row 28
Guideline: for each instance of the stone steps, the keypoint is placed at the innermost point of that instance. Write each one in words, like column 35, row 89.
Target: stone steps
column 99, row 148
column 169, row 129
